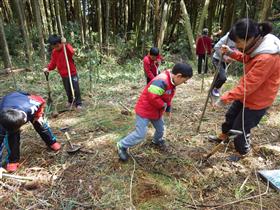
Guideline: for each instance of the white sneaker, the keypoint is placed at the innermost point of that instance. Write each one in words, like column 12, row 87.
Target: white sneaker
column 216, row 92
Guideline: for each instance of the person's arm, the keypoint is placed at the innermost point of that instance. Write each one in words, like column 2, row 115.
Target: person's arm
column 253, row 80
column 155, row 91
column 70, row 50
column 218, row 45
column 147, row 69
column 52, row 64
column 209, row 46
column 40, row 111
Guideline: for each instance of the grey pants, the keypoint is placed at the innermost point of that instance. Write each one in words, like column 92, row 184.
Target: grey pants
column 141, row 127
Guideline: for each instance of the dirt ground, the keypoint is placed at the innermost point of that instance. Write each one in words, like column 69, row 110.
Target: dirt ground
column 94, row 178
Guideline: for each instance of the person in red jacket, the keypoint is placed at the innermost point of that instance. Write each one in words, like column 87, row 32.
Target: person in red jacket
column 153, row 102
column 203, row 49
column 151, row 64
column 16, row 109
column 258, row 88
column 58, row 61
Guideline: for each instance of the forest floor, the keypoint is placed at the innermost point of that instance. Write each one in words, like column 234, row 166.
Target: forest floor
column 152, row 179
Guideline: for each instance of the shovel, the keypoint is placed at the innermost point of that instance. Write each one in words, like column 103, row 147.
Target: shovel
column 72, row 148
column 232, row 134
column 49, row 89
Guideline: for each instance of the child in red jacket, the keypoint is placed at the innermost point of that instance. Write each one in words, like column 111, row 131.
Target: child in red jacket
column 153, row 102
column 203, row 49
column 16, row 109
column 58, row 61
column 151, row 63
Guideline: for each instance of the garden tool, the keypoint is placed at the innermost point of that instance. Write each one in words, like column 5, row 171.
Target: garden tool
column 49, row 101
column 66, row 58
column 72, row 148
column 232, row 134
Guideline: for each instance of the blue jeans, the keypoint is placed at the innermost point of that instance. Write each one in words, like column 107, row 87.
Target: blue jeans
column 138, row 135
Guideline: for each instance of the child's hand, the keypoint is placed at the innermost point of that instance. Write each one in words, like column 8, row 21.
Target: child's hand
column 219, row 103
column 63, row 40
column 45, row 69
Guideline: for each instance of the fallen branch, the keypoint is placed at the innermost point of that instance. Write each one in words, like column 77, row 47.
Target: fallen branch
column 17, row 177
column 245, row 199
column 9, row 70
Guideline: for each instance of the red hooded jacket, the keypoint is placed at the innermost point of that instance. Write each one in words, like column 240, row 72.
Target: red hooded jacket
column 203, row 45
column 151, row 66
column 156, row 97
column 58, row 61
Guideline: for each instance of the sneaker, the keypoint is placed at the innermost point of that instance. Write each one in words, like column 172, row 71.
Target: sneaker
column 79, row 107
column 160, row 144
column 12, row 167
column 218, row 139
column 236, row 157
column 122, row 152
column 215, row 92
column 67, row 105
column 55, row 147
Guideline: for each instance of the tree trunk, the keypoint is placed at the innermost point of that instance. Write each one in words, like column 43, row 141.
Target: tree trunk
column 4, row 46
column 146, row 17
column 188, row 28
column 202, row 17
column 62, row 12
column 126, row 20
column 156, row 21
column 174, row 20
column 99, row 18
column 21, row 19
column 228, row 16
column 266, row 5
column 84, row 19
column 39, row 25
column 52, row 16
column 211, row 14
column 47, row 17
column 137, row 24
column 78, row 18
column 163, row 25
column 107, row 25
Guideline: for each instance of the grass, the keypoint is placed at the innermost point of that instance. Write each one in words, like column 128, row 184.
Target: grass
column 163, row 180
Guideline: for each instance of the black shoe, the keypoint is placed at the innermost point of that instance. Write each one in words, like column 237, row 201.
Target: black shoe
column 161, row 145
column 122, row 153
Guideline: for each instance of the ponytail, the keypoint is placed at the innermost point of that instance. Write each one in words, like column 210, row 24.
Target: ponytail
column 265, row 28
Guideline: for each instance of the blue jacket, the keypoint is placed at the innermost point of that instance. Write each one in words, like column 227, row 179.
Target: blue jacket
column 32, row 105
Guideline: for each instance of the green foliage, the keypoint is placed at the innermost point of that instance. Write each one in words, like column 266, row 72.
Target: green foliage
column 244, row 191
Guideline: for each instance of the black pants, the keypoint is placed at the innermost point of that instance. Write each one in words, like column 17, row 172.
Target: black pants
column 67, row 87
column 199, row 66
column 14, row 140
column 234, row 121
column 222, row 76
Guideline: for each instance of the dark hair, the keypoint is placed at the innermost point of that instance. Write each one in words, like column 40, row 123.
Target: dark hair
column 184, row 69
column 239, row 29
column 54, row 39
column 12, row 119
column 154, row 51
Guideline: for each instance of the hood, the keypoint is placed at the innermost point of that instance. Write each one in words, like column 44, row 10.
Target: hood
column 269, row 45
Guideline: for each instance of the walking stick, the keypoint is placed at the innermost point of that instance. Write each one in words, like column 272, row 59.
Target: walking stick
column 66, row 58
column 210, row 89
